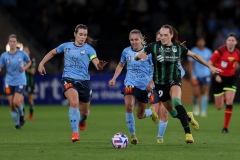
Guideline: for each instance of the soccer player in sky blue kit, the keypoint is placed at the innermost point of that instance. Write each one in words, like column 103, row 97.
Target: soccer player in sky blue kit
column 75, row 78
column 200, row 78
column 138, row 82
column 157, row 105
column 16, row 62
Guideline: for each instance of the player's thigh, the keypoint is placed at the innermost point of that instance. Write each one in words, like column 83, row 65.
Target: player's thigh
column 72, row 96
column 229, row 97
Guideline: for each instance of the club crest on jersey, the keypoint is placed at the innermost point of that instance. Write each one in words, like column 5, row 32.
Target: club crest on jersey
column 19, row 60
column 7, row 61
column 82, row 52
column 67, row 50
column 174, row 48
column 128, row 59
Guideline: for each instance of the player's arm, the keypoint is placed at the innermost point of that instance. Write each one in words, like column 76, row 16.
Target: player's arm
column 118, row 70
column 46, row 58
column 140, row 55
column 202, row 61
column 27, row 65
column 99, row 64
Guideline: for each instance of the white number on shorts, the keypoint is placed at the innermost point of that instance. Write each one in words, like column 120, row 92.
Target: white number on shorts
column 160, row 93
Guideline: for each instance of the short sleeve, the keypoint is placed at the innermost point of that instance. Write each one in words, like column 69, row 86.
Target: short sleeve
column 123, row 56
column 26, row 57
column 92, row 53
column 2, row 61
column 149, row 48
column 184, row 51
column 60, row 48
column 216, row 55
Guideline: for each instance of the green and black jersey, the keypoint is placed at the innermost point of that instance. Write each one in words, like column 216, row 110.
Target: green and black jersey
column 166, row 61
column 29, row 76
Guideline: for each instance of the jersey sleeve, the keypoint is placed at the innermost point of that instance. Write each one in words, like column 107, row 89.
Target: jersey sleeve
column 123, row 56
column 26, row 57
column 2, row 62
column 149, row 48
column 60, row 48
column 184, row 51
column 216, row 55
column 92, row 53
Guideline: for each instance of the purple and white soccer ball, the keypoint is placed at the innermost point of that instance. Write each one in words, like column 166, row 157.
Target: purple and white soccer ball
column 119, row 140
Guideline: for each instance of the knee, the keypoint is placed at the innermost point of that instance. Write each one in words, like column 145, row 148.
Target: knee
column 74, row 103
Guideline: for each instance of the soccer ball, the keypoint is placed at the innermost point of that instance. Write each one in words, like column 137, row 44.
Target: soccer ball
column 119, row 140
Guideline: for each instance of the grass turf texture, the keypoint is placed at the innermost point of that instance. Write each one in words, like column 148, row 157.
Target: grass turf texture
column 48, row 137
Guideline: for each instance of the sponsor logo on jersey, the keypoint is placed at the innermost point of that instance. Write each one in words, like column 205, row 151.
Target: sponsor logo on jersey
column 67, row 50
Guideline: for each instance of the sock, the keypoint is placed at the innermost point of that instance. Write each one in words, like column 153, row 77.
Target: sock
column 161, row 128
column 15, row 117
column 74, row 116
column 31, row 108
column 148, row 112
column 182, row 116
column 130, row 123
column 204, row 103
column 228, row 115
column 195, row 100
column 83, row 118
column 20, row 110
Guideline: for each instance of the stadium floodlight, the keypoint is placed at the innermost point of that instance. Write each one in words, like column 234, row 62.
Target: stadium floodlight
column 19, row 45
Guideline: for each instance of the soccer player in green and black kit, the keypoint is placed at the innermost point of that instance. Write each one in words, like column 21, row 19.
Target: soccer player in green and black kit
column 30, row 82
column 166, row 55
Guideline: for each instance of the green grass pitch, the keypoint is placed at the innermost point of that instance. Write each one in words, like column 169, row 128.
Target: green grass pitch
column 48, row 137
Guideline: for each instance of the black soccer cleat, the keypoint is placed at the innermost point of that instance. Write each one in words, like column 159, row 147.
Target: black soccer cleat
column 225, row 130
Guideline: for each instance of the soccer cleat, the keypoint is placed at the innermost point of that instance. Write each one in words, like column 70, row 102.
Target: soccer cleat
column 189, row 138
column 82, row 125
column 31, row 116
column 154, row 115
column 160, row 140
column 134, row 139
column 193, row 122
column 17, row 127
column 225, row 130
column 75, row 137
column 22, row 120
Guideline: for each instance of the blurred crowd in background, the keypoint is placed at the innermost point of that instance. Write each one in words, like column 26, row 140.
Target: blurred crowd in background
column 52, row 22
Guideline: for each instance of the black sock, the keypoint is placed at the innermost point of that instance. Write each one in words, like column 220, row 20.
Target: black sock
column 184, row 119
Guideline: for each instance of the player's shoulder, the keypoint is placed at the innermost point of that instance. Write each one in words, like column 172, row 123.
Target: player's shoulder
column 4, row 53
column 237, row 50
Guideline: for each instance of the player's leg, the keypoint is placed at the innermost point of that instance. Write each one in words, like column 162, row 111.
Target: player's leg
column 162, row 125
column 14, row 112
column 84, row 113
column 196, row 99
column 204, row 99
column 143, row 100
column 18, row 102
column 31, row 103
column 74, row 115
column 129, row 101
column 229, row 95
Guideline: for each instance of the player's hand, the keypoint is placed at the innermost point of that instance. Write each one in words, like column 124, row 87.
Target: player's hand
column 41, row 70
column 112, row 82
column 140, row 55
column 21, row 69
column 215, row 70
column 149, row 88
column 101, row 64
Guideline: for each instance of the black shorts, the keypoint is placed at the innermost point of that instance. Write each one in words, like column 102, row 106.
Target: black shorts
column 30, row 89
column 228, row 83
column 164, row 89
column 10, row 90
column 141, row 95
column 154, row 97
column 84, row 88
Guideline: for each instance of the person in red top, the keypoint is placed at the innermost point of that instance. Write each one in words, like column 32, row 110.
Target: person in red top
column 224, row 83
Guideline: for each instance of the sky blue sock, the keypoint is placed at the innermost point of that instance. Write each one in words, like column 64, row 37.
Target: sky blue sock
column 148, row 112
column 161, row 128
column 74, row 117
column 204, row 103
column 20, row 110
column 15, row 117
column 130, row 123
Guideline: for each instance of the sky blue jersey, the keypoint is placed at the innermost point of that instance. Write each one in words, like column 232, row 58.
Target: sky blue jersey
column 139, row 73
column 76, row 60
column 200, row 70
column 13, row 62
